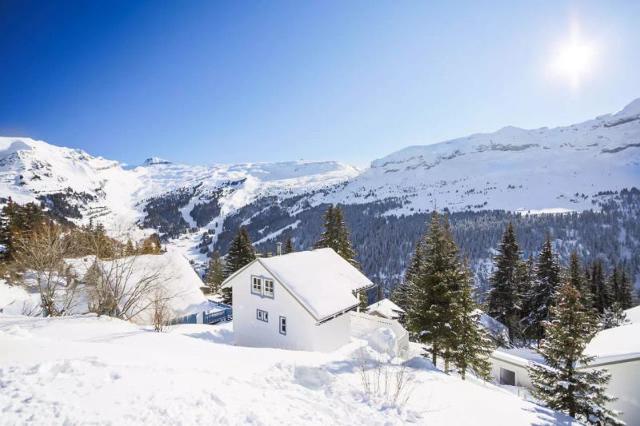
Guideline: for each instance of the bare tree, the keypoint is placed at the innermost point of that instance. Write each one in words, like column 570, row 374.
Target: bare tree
column 40, row 255
column 161, row 308
column 122, row 287
column 383, row 381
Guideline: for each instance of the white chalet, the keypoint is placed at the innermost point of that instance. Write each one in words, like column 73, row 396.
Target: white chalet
column 295, row 301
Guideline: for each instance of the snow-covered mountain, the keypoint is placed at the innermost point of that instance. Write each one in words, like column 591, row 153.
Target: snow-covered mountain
column 511, row 169
column 84, row 187
column 198, row 208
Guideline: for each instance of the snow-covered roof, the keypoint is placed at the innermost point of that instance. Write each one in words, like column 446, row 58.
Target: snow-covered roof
column 321, row 280
column 615, row 344
column 633, row 315
column 519, row 356
column 386, row 308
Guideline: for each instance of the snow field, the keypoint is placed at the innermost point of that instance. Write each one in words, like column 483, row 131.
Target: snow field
column 85, row 369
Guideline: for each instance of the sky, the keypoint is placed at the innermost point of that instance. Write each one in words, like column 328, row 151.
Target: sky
column 225, row 82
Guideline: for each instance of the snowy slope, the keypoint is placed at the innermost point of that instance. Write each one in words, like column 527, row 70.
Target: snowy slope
column 105, row 371
column 511, row 169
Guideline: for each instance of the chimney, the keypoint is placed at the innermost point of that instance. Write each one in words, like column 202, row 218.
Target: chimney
column 278, row 249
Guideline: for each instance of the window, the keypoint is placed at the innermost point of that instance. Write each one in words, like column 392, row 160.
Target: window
column 507, row 377
column 283, row 325
column 268, row 288
column 256, row 285
column 262, row 315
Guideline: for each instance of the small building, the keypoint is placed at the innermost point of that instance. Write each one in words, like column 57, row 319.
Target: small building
column 385, row 308
column 617, row 350
column 295, row 301
column 509, row 366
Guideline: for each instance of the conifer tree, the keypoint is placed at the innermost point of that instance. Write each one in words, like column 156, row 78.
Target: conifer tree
column 599, row 288
column 400, row 294
column 578, row 280
column 288, row 246
column 619, row 289
column 547, row 279
column 578, row 392
column 473, row 346
column 613, row 316
column 431, row 292
column 215, row 273
column 504, row 299
column 241, row 253
column 336, row 235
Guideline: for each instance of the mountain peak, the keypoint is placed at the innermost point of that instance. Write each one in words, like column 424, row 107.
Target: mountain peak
column 632, row 109
column 152, row 161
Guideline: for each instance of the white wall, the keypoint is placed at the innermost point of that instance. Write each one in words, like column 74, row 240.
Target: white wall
column 302, row 331
column 625, row 385
column 521, row 372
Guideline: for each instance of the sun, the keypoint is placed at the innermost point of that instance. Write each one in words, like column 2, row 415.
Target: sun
column 573, row 59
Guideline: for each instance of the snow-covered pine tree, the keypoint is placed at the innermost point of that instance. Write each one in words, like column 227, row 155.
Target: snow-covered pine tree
column 504, row 302
column 215, row 273
column 288, row 246
column 547, row 280
column 560, row 384
column 613, row 316
column 526, row 281
column 430, row 294
column 473, row 346
column 599, row 288
column 241, row 252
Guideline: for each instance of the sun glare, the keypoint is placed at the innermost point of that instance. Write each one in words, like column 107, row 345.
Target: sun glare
column 573, row 59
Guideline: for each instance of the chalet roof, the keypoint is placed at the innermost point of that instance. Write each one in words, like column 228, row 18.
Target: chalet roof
column 615, row 344
column 386, row 308
column 321, row 280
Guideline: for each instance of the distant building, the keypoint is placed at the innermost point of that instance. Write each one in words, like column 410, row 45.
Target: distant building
column 385, row 308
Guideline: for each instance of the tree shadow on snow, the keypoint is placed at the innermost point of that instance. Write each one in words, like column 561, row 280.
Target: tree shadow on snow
column 220, row 336
column 548, row 417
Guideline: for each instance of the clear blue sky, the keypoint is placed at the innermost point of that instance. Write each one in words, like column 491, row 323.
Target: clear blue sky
column 212, row 81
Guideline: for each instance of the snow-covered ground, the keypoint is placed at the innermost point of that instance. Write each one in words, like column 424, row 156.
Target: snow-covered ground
column 79, row 370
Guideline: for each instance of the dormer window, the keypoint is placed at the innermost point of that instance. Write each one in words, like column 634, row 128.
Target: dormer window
column 256, row 286
column 262, row 287
column 268, row 288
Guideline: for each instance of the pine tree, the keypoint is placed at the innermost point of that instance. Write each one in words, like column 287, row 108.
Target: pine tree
column 619, row 289
column 329, row 237
column 473, row 346
column 547, row 279
column 431, row 291
column 578, row 280
column 613, row 316
column 288, row 246
column 599, row 288
column 336, row 236
column 578, row 392
column 241, row 253
column 215, row 273
column 400, row 293
column 363, row 300
column 504, row 299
